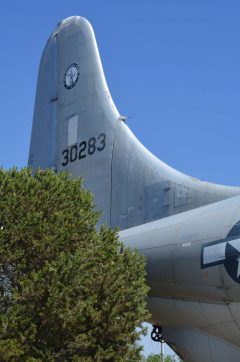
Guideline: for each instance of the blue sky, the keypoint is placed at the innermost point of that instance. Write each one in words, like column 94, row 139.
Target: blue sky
column 171, row 66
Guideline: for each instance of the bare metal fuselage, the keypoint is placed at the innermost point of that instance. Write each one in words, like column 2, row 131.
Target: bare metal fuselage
column 184, row 294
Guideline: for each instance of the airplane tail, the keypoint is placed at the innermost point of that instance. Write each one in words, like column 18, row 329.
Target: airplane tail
column 77, row 128
column 74, row 118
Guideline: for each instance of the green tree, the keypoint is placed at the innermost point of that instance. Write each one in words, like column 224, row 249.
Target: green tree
column 67, row 291
column 157, row 358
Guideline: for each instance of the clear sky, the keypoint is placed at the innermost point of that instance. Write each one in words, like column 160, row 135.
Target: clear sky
column 172, row 66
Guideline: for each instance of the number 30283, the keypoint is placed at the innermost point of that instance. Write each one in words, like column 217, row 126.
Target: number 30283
column 77, row 152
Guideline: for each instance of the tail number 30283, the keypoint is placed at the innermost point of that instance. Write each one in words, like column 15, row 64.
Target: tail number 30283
column 85, row 148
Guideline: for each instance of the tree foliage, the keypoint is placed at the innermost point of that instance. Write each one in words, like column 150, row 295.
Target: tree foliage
column 67, row 291
column 158, row 358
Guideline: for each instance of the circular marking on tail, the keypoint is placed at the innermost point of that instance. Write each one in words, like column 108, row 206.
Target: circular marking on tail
column 71, row 76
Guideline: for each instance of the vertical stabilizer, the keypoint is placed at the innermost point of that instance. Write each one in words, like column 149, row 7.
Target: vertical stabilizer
column 77, row 128
column 74, row 116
